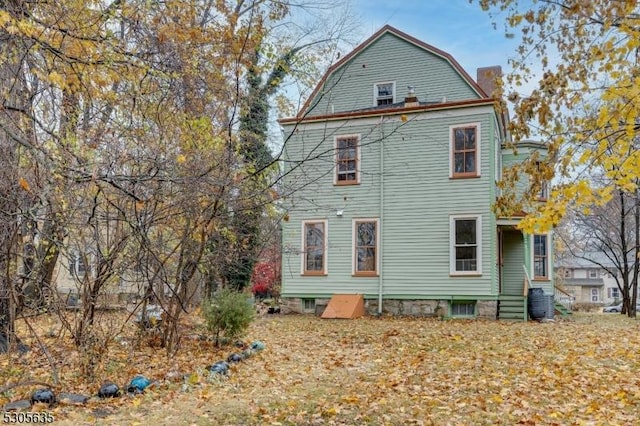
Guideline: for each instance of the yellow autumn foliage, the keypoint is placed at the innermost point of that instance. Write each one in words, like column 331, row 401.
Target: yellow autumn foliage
column 585, row 105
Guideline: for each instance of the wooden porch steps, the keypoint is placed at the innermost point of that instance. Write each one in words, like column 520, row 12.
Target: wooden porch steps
column 512, row 308
column 561, row 309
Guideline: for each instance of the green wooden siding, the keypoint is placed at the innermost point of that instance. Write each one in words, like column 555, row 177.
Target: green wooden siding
column 314, row 196
column 389, row 58
column 419, row 198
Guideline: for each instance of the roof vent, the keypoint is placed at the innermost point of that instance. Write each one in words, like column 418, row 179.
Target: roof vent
column 411, row 99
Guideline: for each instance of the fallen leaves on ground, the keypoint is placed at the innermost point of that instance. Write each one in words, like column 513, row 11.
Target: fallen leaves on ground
column 387, row 371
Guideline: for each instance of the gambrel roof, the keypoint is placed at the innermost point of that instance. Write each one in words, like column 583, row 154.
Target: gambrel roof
column 387, row 29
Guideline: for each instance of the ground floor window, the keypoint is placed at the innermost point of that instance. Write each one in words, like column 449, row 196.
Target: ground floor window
column 314, row 247
column 365, row 247
column 613, row 293
column 595, row 295
column 540, row 257
column 465, row 245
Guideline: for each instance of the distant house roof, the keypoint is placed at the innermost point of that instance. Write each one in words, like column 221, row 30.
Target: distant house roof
column 587, row 282
column 585, row 260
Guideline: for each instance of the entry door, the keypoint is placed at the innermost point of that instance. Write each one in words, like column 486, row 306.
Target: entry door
column 512, row 260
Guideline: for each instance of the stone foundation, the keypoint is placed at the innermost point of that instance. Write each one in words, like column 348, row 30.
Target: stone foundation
column 414, row 308
column 486, row 309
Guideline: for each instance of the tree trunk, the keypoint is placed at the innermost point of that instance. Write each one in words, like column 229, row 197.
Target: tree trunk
column 636, row 251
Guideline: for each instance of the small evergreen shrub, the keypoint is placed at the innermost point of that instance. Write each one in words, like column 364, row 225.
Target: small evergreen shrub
column 228, row 315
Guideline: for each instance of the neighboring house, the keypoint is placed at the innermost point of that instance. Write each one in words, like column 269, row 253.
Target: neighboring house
column 587, row 282
column 390, row 170
column 76, row 266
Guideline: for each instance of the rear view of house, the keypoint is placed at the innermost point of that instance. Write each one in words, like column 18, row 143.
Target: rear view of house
column 390, row 176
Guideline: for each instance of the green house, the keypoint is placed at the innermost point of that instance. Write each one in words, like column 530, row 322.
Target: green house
column 390, row 176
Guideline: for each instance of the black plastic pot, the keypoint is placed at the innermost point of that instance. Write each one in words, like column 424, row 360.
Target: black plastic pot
column 44, row 396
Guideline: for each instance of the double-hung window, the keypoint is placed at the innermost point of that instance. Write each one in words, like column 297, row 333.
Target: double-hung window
column 314, row 247
column 613, row 293
column 465, row 151
column 540, row 257
column 383, row 93
column 347, row 160
column 365, row 247
column 466, row 249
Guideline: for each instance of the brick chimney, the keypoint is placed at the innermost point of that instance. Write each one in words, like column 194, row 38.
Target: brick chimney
column 411, row 99
column 487, row 78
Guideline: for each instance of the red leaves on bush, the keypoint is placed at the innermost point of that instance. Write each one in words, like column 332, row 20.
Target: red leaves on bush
column 263, row 279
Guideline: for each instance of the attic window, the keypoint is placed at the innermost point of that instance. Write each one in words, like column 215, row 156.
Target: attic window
column 384, row 93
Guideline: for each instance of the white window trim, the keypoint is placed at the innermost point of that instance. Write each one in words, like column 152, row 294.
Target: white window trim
column 353, row 245
column 77, row 258
column 375, row 91
column 303, row 252
column 478, row 146
column 452, row 248
column 533, row 258
column 335, row 158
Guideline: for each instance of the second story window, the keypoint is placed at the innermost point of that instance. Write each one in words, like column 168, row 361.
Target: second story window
column 543, row 193
column 465, row 151
column 383, row 93
column 347, row 159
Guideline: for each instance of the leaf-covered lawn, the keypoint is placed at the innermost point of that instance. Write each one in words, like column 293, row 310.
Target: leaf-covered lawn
column 394, row 371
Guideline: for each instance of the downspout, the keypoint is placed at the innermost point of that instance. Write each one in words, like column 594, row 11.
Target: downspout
column 381, row 220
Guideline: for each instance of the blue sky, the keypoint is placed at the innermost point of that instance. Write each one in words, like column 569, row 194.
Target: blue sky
column 455, row 26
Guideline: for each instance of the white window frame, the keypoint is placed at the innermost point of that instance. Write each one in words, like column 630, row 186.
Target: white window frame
column 335, row 159
column 76, row 261
column 611, row 291
column 533, row 258
column 452, row 245
column 478, row 149
column 595, row 295
column 594, row 271
column 354, row 239
column 375, row 92
column 303, row 248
